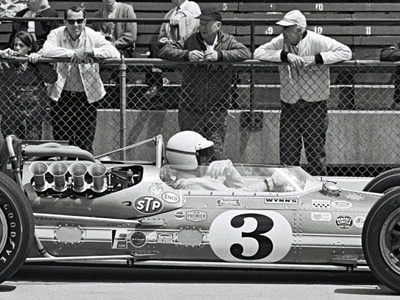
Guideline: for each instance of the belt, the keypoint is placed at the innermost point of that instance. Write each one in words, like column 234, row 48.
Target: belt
column 74, row 94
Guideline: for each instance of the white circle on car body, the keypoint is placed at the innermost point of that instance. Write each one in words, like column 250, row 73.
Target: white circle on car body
column 250, row 236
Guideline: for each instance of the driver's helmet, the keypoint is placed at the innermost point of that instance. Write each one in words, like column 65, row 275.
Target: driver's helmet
column 185, row 148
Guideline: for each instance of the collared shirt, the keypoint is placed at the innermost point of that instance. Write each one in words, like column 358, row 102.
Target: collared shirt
column 58, row 45
column 73, row 83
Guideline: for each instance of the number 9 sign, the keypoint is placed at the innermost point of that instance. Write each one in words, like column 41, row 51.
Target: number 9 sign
column 252, row 235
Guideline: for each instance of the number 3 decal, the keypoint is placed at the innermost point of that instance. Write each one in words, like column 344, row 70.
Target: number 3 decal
column 259, row 236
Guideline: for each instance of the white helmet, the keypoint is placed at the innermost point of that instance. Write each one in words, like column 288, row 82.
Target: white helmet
column 184, row 148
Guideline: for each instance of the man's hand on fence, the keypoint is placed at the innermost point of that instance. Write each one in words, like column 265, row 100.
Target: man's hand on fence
column 297, row 61
column 34, row 57
column 83, row 55
column 211, row 55
column 309, row 61
column 196, row 55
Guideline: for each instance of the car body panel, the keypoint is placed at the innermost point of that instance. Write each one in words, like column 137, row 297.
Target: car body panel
column 150, row 220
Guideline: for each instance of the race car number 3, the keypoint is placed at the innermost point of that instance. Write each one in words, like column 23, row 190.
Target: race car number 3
column 258, row 236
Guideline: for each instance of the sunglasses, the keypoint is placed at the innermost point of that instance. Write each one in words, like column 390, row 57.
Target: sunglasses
column 72, row 22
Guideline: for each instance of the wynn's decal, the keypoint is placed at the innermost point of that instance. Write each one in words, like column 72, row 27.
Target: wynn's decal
column 250, row 235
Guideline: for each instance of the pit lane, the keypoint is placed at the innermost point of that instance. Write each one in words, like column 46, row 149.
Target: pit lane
column 73, row 282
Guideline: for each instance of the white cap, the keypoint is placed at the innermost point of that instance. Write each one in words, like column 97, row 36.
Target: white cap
column 294, row 17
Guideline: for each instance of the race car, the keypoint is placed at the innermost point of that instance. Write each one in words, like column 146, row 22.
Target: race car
column 60, row 204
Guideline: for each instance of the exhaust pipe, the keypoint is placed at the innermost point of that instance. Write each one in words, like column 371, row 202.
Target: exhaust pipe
column 98, row 173
column 58, row 171
column 39, row 169
column 78, row 172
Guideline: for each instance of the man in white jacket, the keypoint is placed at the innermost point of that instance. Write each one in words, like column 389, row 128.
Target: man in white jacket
column 79, row 86
column 305, row 84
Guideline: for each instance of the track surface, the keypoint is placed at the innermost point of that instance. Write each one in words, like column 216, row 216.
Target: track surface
column 66, row 282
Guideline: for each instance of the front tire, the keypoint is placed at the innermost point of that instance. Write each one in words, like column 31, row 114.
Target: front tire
column 384, row 182
column 16, row 227
column 381, row 240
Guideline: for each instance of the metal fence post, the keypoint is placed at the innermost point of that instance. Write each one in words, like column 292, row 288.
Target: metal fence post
column 122, row 85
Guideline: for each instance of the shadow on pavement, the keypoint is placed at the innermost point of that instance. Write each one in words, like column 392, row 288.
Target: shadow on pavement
column 7, row 288
column 380, row 290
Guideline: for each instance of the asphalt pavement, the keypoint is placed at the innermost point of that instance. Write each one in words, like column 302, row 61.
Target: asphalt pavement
column 74, row 282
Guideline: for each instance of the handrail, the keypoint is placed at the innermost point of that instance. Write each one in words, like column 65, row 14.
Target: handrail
column 158, row 61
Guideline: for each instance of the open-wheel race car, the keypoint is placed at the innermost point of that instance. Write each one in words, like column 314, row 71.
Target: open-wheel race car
column 60, row 204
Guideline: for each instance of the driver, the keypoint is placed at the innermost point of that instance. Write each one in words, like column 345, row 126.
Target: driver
column 187, row 150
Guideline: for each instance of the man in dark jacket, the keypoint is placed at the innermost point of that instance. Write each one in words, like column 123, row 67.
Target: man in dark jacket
column 206, row 88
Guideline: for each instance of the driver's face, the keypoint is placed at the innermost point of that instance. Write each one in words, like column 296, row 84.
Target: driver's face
column 204, row 160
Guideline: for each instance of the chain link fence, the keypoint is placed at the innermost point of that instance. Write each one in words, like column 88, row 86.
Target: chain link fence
column 238, row 106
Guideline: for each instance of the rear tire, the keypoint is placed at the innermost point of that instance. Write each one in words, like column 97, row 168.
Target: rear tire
column 16, row 227
column 384, row 182
column 381, row 239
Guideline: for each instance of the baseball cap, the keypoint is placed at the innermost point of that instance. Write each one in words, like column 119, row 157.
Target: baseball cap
column 210, row 14
column 294, row 17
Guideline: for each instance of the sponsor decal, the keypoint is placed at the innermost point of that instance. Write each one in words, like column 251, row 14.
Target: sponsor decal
column 325, row 204
column 165, row 237
column 341, row 204
column 138, row 239
column 228, row 202
column 321, row 216
column 355, row 197
column 262, row 236
column 359, row 221
column 344, row 222
column 148, row 205
column 281, row 201
column 170, row 197
column 180, row 214
column 119, row 239
column 196, row 216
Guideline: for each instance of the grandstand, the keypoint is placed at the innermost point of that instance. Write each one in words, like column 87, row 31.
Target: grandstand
column 365, row 26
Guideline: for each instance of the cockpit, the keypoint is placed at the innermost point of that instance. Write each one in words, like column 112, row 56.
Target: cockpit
column 252, row 178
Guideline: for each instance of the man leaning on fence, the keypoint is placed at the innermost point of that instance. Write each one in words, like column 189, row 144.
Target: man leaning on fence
column 304, row 88
column 206, row 88
column 79, row 86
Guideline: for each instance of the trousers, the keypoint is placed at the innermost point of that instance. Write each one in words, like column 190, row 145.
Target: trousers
column 304, row 123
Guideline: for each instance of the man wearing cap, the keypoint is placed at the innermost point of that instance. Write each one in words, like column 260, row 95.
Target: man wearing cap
column 305, row 84
column 206, row 88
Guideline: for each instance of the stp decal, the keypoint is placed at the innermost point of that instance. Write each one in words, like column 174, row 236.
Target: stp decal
column 148, row 205
column 250, row 235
